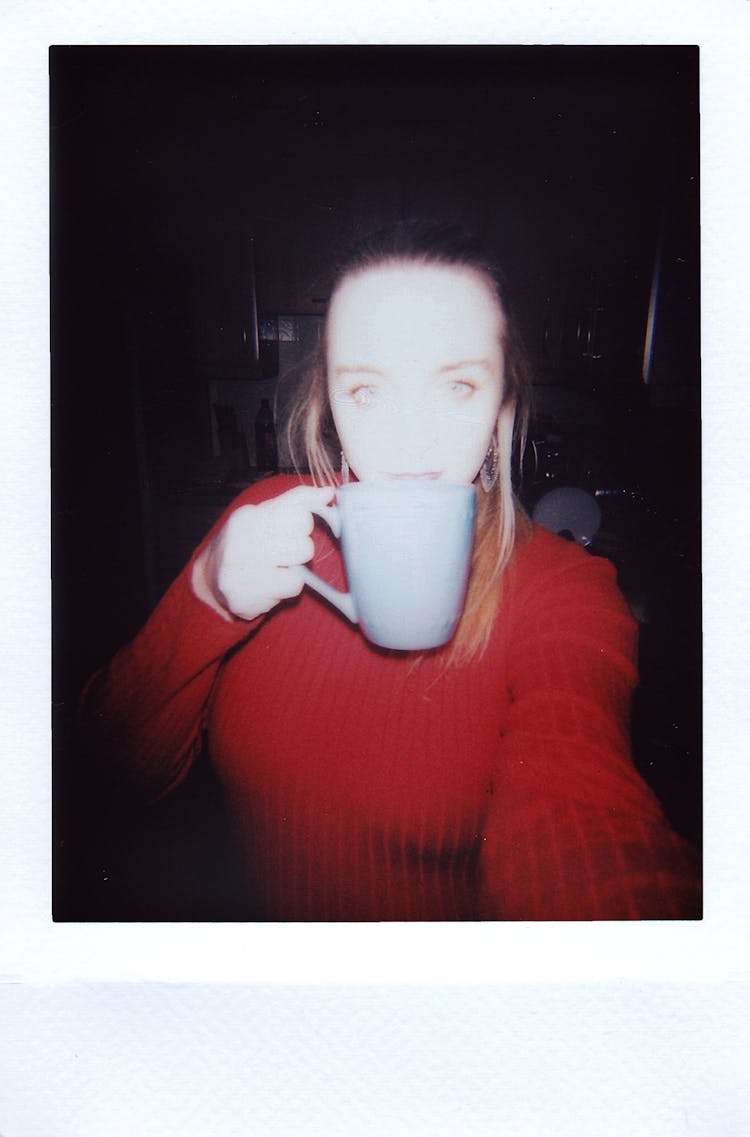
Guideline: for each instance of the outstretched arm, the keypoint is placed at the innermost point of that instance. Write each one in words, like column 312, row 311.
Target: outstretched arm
column 575, row 833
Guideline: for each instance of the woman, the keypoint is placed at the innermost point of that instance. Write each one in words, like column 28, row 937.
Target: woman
column 490, row 779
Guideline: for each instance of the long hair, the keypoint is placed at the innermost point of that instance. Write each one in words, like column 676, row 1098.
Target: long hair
column 314, row 444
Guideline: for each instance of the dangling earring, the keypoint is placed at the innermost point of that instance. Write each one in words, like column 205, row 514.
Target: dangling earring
column 490, row 467
column 344, row 469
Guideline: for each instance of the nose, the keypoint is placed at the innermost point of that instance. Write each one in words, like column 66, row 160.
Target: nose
column 414, row 435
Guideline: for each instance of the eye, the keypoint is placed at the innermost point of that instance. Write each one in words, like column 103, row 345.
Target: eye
column 363, row 395
column 464, row 388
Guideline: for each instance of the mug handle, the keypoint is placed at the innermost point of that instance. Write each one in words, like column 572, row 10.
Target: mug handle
column 341, row 600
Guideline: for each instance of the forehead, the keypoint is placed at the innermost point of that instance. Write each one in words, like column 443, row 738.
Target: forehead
column 440, row 310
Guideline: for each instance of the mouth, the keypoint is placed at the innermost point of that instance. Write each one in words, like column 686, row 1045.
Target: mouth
column 427, row 476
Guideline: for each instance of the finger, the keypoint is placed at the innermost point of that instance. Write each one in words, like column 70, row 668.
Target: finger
column 283, row 517
column 309, row 497
column 290, row 582
column 310, row 494
column 293, row 552
column 285, row 524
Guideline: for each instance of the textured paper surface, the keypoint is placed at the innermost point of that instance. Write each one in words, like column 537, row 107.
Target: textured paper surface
column 195, row 1061
column 512, row 1030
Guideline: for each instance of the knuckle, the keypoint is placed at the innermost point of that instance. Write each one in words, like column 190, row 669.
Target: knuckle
column 294, row 581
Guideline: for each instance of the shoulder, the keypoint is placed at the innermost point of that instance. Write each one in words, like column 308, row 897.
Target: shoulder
column 547, row 569
column 268, row 488
column 566, row 621
column 544, row 555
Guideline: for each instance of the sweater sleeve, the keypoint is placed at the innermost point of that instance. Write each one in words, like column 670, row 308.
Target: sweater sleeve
column 574, row 832
column 141, row 717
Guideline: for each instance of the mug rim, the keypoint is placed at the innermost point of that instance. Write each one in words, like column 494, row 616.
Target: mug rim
column 407, row 486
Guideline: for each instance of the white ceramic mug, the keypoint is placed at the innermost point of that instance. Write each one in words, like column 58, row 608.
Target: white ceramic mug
column 407, row 552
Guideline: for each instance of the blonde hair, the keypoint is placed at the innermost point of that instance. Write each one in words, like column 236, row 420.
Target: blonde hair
column 501, row 521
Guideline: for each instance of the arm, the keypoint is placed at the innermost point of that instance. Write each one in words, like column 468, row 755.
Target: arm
column 576, row 834
column 142, row 718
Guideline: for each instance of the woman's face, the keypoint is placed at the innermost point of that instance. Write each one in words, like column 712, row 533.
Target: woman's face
column 415, row 371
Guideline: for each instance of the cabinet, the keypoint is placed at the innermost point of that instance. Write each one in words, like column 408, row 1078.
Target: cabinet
column 231, row 337
column 603, row 318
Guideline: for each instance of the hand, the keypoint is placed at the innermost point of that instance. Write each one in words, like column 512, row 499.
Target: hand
column 254, row 561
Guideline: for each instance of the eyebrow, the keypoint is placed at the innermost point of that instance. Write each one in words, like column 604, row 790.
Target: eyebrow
column 447, row 368
column 462, row 364
column 355, row 369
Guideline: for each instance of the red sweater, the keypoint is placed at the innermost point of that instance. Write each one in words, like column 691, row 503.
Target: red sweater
column 365, row 788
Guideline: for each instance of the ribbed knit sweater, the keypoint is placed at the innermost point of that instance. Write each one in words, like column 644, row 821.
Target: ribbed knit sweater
column 363, row 787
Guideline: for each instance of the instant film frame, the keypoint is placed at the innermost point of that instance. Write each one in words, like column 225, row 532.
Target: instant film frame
column 194, row 188
column 562, row 1030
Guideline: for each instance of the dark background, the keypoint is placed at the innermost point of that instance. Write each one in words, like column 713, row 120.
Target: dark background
column 581, row 167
